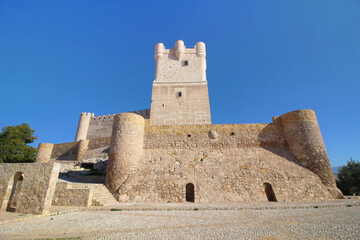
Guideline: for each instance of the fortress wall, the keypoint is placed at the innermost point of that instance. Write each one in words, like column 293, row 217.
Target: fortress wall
column 65, row 151
column 101, row 126
column 230, row 167
column 34, row 193
column 197, row 136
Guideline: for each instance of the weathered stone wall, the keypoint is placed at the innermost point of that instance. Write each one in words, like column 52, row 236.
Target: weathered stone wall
column 93, row 127
column 180, row 93
column 34, row 190
column 65, row 196
column 226, row 163
column 65, row 151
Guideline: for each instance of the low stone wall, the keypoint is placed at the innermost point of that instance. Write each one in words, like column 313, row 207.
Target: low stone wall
column 65, row 151
column 27, row 187
column 65, row 196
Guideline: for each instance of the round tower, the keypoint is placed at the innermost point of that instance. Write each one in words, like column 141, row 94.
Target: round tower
column 201, row 52
column 83, row 126
column 44, row 152
column 302, row 133
column 179, row 49
column 82, row 149
column 125, row 149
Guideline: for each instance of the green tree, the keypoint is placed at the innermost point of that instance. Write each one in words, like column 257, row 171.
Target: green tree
column 13, row 140
column 349, row 178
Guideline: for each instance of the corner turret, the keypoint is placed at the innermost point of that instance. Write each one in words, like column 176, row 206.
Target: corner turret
column 302, row 133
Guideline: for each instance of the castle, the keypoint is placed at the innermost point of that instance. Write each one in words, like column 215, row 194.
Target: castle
column 172, row 153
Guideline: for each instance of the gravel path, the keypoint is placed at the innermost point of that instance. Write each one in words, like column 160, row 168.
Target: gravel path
column 308, row 223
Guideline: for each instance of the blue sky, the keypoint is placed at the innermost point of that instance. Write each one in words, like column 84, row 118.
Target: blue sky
column 264, row 58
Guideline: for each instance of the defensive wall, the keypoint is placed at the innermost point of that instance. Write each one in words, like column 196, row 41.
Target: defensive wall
column 223, row 162
column 91, row 126
column 28, row 187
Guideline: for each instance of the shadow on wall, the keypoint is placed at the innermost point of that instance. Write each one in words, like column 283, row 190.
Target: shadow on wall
column 276, row 144
column 15, row 191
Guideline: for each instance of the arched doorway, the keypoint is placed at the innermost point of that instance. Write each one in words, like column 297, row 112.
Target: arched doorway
column 15, row 191
column 269, row 192
column 190, row 194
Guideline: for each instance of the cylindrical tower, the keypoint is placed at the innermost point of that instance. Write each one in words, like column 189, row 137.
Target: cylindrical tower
column 159, row 50
column 83, row 126
column 179, row 49
column 201, row 52
column 82, row 149
column 44, row 152
column 126, row 147
column 302, row 133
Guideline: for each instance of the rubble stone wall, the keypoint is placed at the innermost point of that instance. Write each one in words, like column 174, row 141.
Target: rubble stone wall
column 65, row 196
column 34, row 194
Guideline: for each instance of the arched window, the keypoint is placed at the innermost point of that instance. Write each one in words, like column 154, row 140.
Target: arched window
column 190, row 193
column 269, row 192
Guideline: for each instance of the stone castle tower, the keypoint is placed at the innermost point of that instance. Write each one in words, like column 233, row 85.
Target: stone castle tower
column 180, row 91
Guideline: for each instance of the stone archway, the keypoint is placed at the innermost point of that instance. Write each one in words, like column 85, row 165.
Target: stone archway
column 269, row 192
column 190, row 192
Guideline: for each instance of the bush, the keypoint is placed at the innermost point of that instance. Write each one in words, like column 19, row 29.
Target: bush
column 13, row 140
column 349, row 178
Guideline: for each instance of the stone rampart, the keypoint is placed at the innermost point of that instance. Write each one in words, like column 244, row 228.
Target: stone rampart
column 27, row 187
column 100, row 126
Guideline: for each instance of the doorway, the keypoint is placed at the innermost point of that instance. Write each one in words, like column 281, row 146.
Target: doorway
column 190, row 193
column 269, row 192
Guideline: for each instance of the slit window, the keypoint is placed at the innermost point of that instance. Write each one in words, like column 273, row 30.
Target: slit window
column 179, row 94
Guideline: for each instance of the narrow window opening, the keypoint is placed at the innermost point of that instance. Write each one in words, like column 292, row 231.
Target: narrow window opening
column 179, row 94
column 190, row 193
column 189, row 135
column 269, row 192
column 186, row 62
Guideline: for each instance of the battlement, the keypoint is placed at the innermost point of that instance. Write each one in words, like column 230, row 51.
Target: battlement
column 180, row 49
column 85, row 114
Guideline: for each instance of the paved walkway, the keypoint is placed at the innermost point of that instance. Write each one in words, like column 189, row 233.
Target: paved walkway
column 320, row 220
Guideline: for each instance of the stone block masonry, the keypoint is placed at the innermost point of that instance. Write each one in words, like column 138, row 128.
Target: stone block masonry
column 180, row 93
column 27, row 187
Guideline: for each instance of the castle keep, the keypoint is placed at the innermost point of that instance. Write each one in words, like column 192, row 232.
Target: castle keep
column 172, row 153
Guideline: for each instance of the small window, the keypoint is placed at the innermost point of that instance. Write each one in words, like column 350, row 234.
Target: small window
column 186, row 62
column 179, row 94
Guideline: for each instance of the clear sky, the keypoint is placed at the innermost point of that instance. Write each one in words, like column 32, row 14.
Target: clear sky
column 264, row 58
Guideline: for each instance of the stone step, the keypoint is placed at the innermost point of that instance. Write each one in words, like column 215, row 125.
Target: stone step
column 101, row 195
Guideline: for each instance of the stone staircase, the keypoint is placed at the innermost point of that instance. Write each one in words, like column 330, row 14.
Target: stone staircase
column 101, row 195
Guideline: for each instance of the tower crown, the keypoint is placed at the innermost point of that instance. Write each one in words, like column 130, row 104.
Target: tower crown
column 180, row 64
